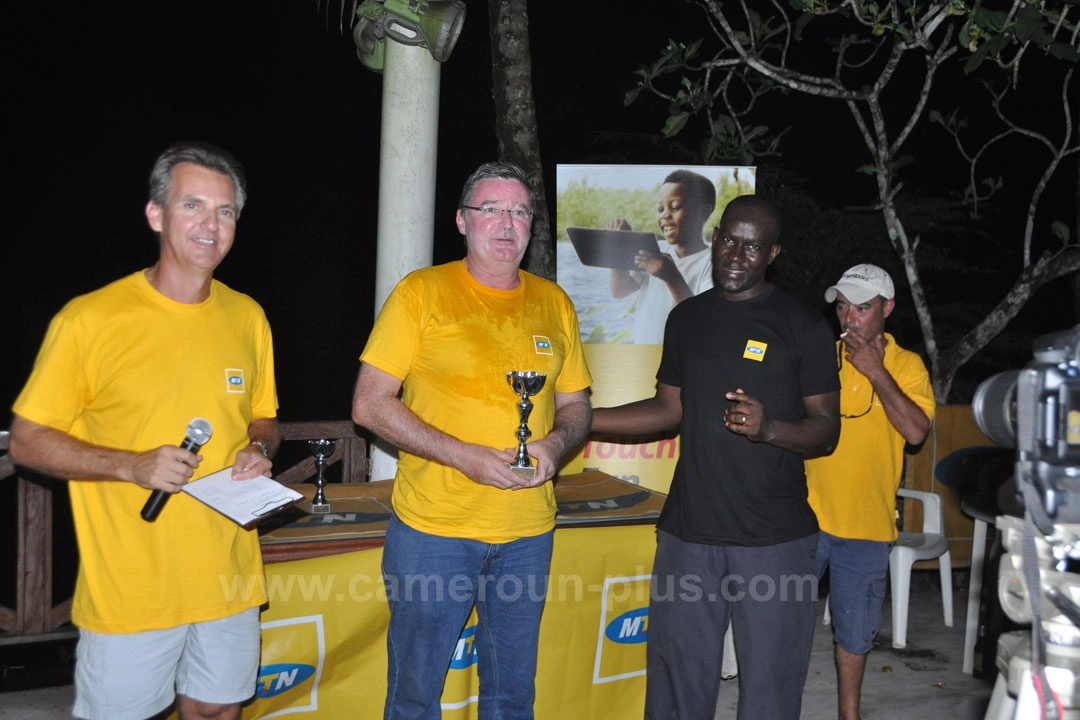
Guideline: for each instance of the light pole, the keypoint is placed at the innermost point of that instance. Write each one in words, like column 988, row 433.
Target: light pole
column 422, row 35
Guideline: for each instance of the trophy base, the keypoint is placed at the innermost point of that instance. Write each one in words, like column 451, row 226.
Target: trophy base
column 526, row 472
column 319, row 508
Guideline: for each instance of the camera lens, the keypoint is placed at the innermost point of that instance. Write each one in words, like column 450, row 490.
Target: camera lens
column 994, row 406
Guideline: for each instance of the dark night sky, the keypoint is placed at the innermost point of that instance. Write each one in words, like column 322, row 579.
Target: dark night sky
column 93, row 94
column 96, row 90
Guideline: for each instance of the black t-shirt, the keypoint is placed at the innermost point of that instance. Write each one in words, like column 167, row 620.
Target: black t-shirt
column 728, row 490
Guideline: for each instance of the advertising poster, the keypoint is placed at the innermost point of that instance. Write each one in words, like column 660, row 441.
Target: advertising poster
column 633, row 241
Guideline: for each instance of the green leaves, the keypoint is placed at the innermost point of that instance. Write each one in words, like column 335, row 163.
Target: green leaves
column 1060, row 231
column 953, row 122
column 675, row 123
column 990, row 34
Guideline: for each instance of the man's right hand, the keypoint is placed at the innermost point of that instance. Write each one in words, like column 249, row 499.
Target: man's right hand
column 61, row 455
column 166, row 468
column 488, row 466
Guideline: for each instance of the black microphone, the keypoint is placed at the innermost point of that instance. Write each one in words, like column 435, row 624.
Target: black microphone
column 198, row 433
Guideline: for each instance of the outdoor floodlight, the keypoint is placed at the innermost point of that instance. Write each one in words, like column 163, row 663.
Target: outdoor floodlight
column 432, row 24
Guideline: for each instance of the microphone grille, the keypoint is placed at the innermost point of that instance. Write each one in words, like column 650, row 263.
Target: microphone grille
column 200, row 430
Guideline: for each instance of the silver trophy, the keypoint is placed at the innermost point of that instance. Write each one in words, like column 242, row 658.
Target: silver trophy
column 321, row 449
column 524, row 383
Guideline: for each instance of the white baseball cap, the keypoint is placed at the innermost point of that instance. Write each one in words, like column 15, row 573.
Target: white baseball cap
column 861, row 284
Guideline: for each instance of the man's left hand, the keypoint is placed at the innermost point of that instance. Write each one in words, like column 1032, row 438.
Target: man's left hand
column 746, row 416
column 250, row 463
column 546, row 462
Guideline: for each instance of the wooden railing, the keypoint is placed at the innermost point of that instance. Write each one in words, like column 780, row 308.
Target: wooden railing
column 35, row 616
column 34, row 612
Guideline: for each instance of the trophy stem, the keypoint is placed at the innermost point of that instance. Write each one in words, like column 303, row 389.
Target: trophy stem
column 320, row 449
column 521, row 460
column 524, row 383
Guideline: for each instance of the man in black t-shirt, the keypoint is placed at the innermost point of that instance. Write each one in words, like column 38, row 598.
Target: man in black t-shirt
column 749, row 377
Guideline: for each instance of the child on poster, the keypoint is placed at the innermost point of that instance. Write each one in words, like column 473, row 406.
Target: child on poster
column 663, row 280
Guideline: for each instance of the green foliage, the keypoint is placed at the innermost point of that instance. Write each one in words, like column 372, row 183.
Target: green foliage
column 953, row 122
column 890, row 62
column 675, row 56
column 986, row 189
column 988, row 33
column 992, row 35
column 725, row 143
column 1060, row 231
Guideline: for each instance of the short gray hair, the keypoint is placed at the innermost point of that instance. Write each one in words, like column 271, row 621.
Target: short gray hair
column 495, row 171
column 204, row 155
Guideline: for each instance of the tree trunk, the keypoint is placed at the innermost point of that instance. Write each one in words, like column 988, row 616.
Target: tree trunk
column 515, row 119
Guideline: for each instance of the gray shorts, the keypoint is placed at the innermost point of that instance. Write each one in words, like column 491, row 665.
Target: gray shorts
column 133, row 676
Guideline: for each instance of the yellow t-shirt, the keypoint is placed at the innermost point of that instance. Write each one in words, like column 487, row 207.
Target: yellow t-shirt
column 451, row 340
column 126, row 367
column 853, row 490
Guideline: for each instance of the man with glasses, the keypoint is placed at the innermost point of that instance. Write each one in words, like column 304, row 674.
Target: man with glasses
column 886, row 400
column 466, row 529
column 746, row 375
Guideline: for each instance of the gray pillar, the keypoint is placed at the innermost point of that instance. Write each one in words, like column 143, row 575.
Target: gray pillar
column 410, row 131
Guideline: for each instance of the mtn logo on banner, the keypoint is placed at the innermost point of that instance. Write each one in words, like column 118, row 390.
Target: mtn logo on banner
column 630, row 628
column 465, row 654
column 624, row 619
column 282, row 677
column 292, row 666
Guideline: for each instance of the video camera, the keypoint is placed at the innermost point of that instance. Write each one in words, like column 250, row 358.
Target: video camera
column 1037, row 411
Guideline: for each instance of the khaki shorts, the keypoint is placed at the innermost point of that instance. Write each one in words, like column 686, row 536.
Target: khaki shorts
column 133, row 676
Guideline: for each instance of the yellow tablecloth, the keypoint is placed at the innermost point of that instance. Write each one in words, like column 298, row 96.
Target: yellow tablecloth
column 324, row 645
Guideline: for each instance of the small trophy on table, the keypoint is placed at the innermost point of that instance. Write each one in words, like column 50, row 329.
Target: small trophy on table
column 321, row 450
column 524, row 383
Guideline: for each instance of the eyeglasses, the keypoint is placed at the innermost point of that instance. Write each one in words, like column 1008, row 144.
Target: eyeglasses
column 491, row 213
column 873, row 390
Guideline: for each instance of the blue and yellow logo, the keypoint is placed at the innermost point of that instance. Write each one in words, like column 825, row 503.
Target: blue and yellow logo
column 624, row 617
column 234, row 380
column 465, row 654
column 543, row 345
column 282, row 677
column 630, row 628
column 755, row 350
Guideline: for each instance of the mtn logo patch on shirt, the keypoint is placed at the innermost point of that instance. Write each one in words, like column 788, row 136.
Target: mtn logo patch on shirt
column 755, row 350
column 542, row 345
column 234, row 380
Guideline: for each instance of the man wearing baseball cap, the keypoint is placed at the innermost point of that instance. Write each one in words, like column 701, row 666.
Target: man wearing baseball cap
column 886, row 400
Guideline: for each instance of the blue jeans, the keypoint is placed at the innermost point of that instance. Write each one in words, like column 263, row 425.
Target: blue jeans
column 432, row 583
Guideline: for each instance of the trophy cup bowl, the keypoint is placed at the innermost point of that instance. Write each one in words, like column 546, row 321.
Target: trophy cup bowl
column 321, row 450
column 524, row 383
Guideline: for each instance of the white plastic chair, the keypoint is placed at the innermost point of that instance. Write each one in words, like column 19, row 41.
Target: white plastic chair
column 912, row 546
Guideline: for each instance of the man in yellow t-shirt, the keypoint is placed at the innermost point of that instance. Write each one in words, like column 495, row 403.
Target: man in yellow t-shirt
column 886, row 400
column 466, row 529
column 121, row 373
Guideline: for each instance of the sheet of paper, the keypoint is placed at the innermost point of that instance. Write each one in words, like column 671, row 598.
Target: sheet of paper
column 243, row 501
